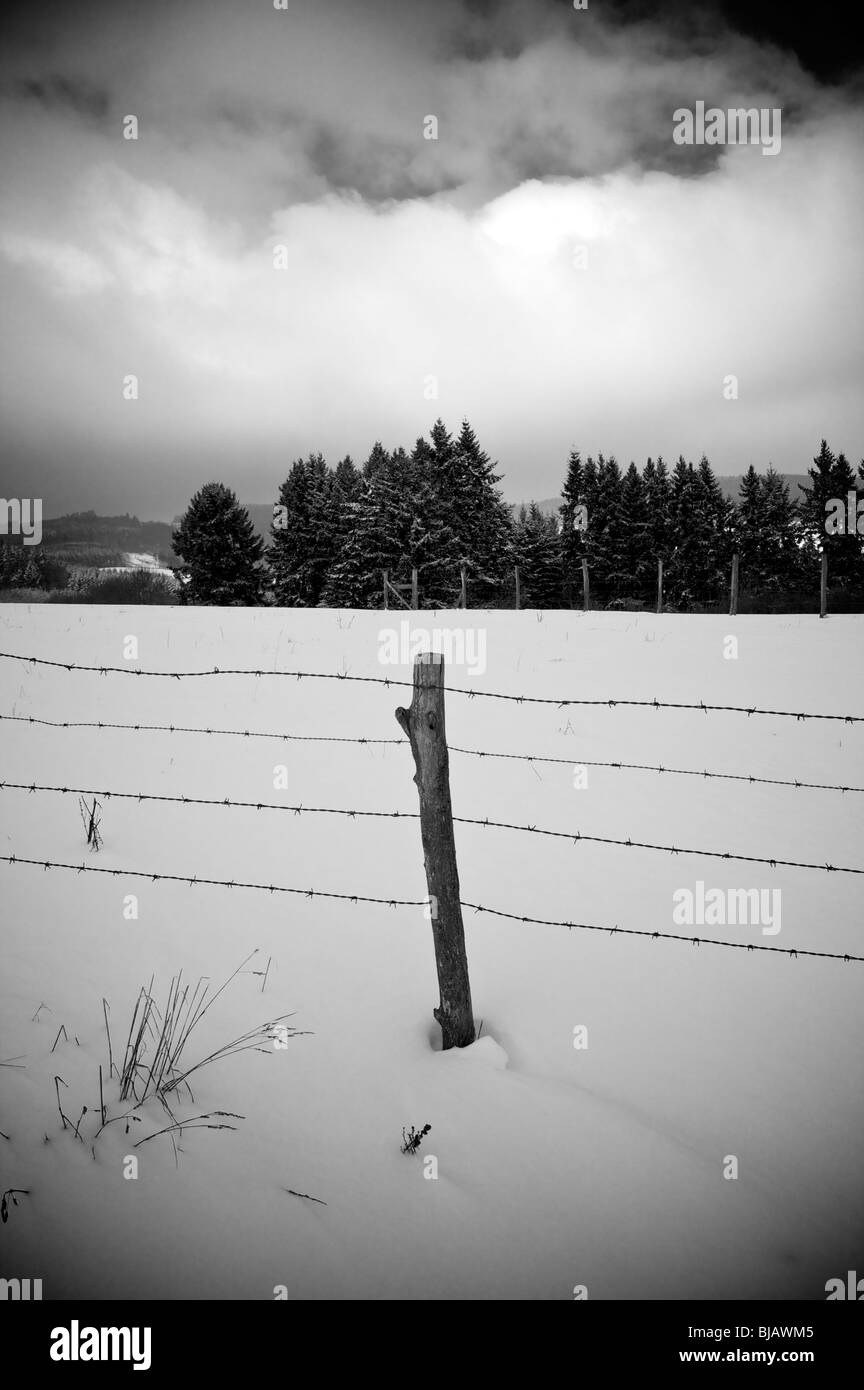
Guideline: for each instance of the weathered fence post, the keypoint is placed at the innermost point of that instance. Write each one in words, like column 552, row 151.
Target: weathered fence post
column 424, row 725
column 586, row 591
column 463, row 600
column 823, row 586
column 384, row 574
column 518, row 593
column 414, row 603
column 659, row 586
column 733, row 595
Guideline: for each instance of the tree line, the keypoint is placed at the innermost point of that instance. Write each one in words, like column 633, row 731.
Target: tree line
column 439, row 509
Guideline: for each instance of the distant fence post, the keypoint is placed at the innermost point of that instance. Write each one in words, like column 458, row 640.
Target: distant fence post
column 733, row 595
column 659, row 586
column 463, row 599
column 414, row 602
column 518, row 595
column 424, row 725
column 384, row 574
column 586, row 590
column 823, row 586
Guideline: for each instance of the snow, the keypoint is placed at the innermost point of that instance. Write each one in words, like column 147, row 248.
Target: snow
column 557, row 1166
column 137, row 560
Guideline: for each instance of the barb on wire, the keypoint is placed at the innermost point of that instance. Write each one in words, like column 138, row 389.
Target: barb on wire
column 486, row 823
column 451, row 689
column 196, row 881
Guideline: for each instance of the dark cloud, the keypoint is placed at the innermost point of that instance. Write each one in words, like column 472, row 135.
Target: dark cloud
column 410, row 260
column 56, row 92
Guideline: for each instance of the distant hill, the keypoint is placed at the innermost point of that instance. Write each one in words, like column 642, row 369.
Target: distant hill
column 85, row 538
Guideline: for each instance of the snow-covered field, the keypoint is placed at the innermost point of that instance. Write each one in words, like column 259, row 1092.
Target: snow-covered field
column 558, row 1166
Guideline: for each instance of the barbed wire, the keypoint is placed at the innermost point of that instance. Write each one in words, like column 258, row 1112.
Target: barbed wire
column 661, row 936
column 187, row 729
column 576, row 761
column 195, row 881
column 299, row 810
column 450, row 689
column 573, row 760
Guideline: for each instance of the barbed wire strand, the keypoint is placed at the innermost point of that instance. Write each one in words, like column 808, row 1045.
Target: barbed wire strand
column 574, row 760
column 450, row 689
column 196, row 881
column 191, row 729
column 575, row 836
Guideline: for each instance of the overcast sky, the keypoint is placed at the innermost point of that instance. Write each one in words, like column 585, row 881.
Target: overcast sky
column 409, row 258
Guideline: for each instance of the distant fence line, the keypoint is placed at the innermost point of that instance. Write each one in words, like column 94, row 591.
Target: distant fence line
column 713, row 598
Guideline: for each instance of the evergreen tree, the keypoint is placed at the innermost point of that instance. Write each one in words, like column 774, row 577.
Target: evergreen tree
column 478, row 516
column 718, row 513
column 607, row 531
column 573, row 522
column 220, row 551
column 303, row 534
column 820, row 492
column 658, row 504
column 347, row 479
column 536, row 552
column 844, row 558
column 376, row 459
column 781, row 557
column 637, row 565
column 831, row 480
column 346, row 486
column 397, row 526
column 693, row 567
column 748, row 526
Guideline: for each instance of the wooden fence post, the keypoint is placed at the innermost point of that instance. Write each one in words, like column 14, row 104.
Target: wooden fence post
column 659, row 586
column 414, row 603
column 733, row 596
column 384, row 574
column 424, row 725
column 463, row 601
column 586, row 592
column 518, row 594
column 823, row 586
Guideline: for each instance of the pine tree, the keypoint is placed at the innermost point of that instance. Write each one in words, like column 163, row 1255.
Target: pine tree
column 748, row 527
column 844, row 557
column 481, row 519
column 693, row 569
column 304, row 533
column 658, row 504
column 781, row 558
column 474, row 524
column 718, row 513
column 637, row 566
column 606, row 530
column 820, row 492
column 536, row 551
column 376, row 459
column 831, row 480
column 380, row 517
column 220, row 551
column 573, row 522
